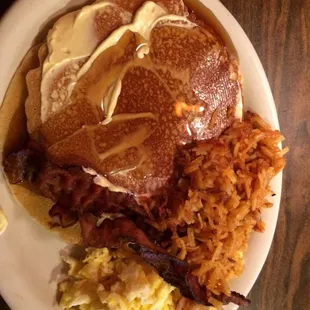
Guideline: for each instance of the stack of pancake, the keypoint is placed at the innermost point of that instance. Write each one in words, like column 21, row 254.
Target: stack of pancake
column 121, row 85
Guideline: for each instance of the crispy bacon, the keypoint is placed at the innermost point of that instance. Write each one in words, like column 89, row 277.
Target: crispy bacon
column 112, row 233
column 235, row 298
column 72, row 190
column 178, row 273
column 63, row 216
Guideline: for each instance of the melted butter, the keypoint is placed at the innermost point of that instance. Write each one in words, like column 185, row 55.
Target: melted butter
column 142, row 50
column 110, row 100
column 104, row 182
column 146, row 18
column 132, row 116
column 135, row 139
column 73, row 35
column 73, row 39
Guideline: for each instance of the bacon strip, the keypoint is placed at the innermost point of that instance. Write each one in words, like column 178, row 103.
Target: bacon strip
column 63, row 216
column 112, row 233
column 72, row 190
column 178, row 273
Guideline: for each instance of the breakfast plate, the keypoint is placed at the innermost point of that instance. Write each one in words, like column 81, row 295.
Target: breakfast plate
column 30, row 261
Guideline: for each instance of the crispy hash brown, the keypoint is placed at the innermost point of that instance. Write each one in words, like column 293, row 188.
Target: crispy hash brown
column 228, row 190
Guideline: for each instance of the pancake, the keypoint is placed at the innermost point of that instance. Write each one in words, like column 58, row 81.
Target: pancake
column 25, row 88
column 13, row 134
column 173, row 6
column 83, row 30
column 151, row 86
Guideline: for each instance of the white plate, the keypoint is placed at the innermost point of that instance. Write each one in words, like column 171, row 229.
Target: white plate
column 30, row 254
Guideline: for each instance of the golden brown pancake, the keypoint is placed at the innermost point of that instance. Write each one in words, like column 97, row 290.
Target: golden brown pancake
column 104, row 21
column 12, row 137
column 33, row 102
column 135, row 151
column 173, row 6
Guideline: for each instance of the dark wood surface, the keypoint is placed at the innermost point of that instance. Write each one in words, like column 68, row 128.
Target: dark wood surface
column 280, row 32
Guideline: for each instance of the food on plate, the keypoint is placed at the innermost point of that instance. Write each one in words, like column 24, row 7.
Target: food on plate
column 114, row 280
column 132, row 141
column 217, row 205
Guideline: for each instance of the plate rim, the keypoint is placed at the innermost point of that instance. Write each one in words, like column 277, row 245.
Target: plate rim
column 17, row 9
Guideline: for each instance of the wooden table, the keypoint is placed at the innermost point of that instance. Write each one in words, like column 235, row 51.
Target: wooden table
column 280, row 32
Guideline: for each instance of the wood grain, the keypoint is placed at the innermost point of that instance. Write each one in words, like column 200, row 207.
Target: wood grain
column 280, row 33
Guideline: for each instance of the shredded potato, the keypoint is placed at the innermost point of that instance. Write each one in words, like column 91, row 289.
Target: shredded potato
column 229, row 188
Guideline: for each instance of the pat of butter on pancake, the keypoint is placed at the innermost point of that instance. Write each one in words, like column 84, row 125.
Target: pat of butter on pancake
column 104, row 182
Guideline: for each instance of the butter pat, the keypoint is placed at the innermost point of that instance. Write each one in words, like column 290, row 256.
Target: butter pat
column 104, row 182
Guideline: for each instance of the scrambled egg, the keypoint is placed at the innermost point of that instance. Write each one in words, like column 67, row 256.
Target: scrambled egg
column 3, row 222
column 119, row 280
